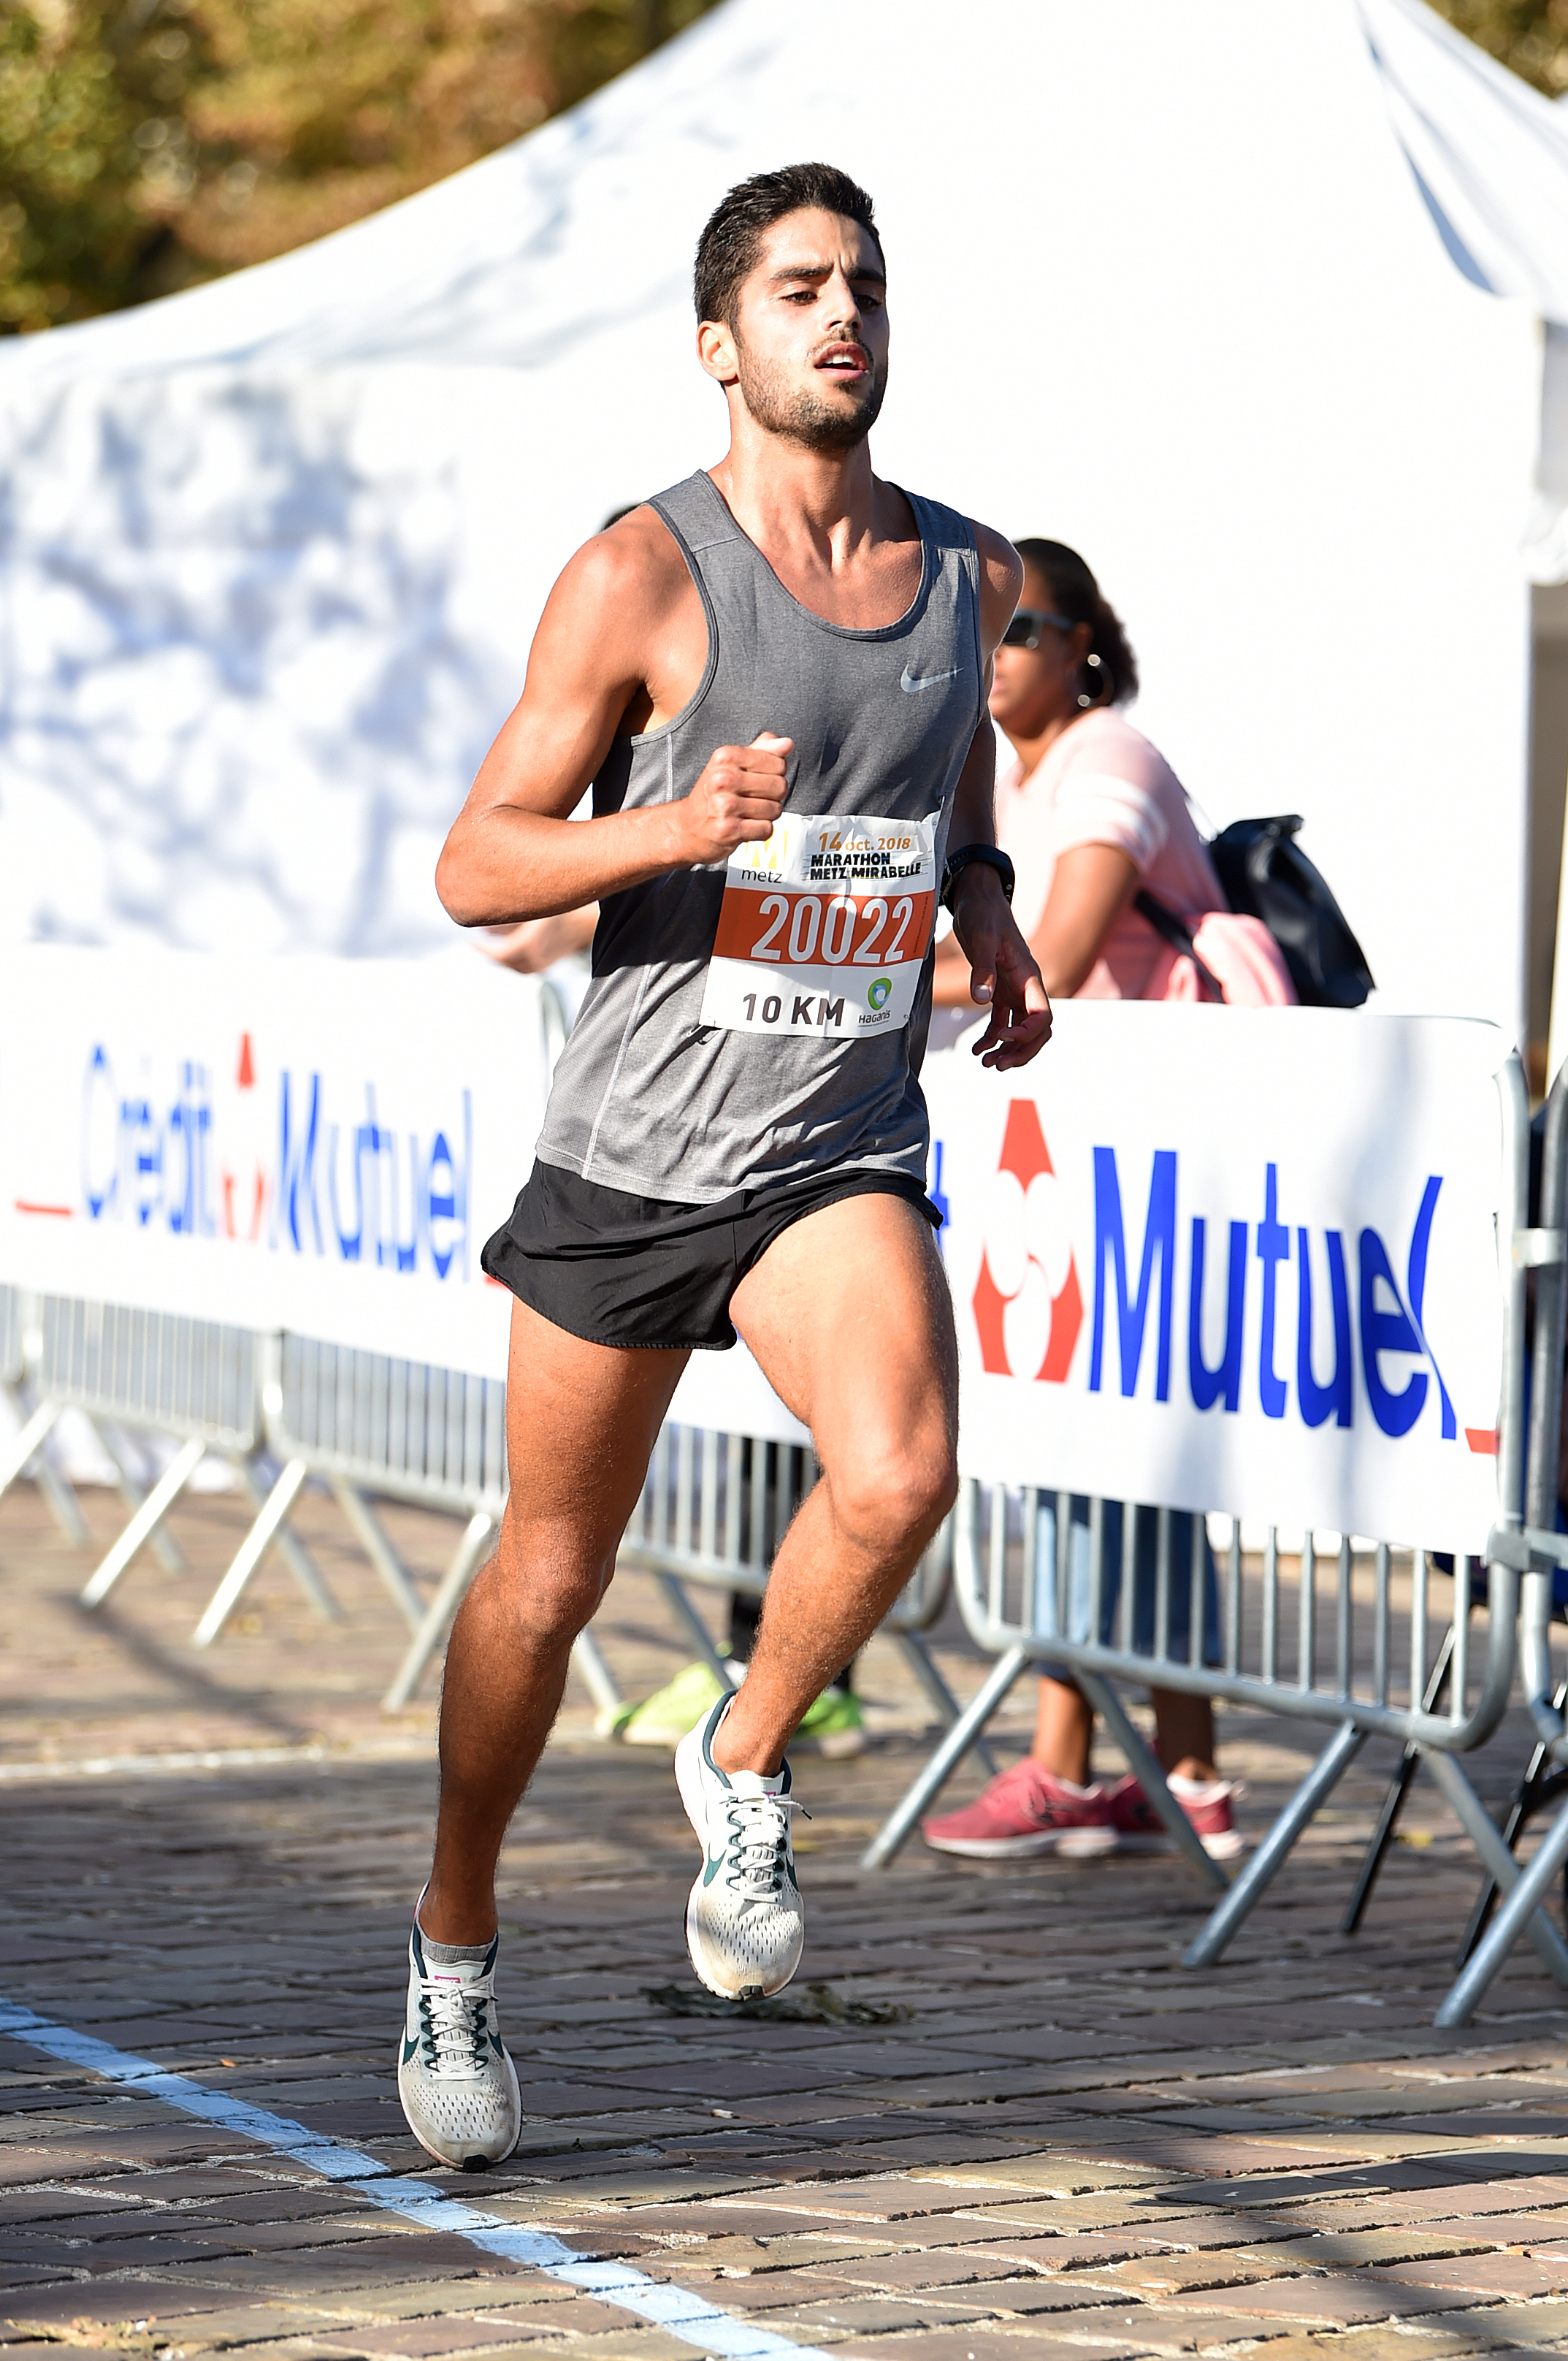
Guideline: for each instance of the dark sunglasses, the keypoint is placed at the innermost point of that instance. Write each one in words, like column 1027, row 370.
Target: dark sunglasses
column 1024, row 629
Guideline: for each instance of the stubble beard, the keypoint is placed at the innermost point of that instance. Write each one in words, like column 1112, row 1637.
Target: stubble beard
column 800, row 415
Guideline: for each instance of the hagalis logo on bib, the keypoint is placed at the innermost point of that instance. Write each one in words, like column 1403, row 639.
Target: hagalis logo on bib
column 822, row 927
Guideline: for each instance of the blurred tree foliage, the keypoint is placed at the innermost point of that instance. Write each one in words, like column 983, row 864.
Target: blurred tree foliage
column 147, row 144
column 1531, row 35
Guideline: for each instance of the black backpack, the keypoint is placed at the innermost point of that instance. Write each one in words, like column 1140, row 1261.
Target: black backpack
column 1267, row 875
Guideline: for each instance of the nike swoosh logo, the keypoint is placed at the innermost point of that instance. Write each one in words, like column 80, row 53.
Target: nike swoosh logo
column 711, row 1869
column 911, row 681
column 409, row 2048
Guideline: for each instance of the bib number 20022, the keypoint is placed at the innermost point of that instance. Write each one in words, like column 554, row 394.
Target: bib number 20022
column 824, row 926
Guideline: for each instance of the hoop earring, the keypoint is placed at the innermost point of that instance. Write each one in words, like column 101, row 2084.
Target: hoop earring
column 1105, row 684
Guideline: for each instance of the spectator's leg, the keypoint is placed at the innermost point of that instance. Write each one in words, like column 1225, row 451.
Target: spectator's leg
column 1064, row 1731
column 745, row 1614
column 1184, row 1725
column 1184, row 1734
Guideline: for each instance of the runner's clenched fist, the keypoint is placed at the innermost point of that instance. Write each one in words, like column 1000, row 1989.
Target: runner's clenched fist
column 739, row 795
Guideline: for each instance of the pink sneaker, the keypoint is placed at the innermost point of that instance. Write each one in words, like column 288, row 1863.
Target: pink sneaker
column 1207, row 1804
column 1024, row 1810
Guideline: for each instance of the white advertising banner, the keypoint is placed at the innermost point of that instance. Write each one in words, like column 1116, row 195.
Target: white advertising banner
column 1212, row 1259
column 1233, row 1259
column 312, row 1143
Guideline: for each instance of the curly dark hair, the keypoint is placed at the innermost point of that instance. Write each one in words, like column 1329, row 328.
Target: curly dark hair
column 727, row 250
column 1076, row 594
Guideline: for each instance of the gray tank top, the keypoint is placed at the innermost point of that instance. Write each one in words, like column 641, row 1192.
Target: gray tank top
column 647, row 1097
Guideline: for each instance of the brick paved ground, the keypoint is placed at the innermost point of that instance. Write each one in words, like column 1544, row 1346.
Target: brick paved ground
column 1069, row 2144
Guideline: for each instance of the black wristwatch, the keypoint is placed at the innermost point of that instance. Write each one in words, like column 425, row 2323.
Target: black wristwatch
column 956, row 863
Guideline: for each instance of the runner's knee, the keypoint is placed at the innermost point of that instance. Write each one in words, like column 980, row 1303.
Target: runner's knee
column 890, row 1497
column 551, row 1586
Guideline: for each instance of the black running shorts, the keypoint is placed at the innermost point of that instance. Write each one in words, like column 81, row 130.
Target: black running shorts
column 618, row 1269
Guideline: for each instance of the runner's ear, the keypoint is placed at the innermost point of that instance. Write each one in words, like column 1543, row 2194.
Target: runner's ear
column 716, row 352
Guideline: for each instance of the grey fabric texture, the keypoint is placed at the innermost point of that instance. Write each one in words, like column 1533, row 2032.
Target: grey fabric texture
column 646, row 1098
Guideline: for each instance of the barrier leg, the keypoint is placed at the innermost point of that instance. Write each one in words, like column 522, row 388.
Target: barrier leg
column 1269, row 1858
column 1465, row 1996
column 376, row 1542
column 146, row 1521
column 53, row 1482
column 63, row 1505
column 1382, row 1838
column 1543, row 1783
column 455, row 1583
column 292, row 1549
column 588, row 1663
column 35, row 1427
column 1394, row 1801
column 930, row 1781
column 133, row 1492
column 923, row 1664
column 1149, row 1773
column 251, row 1552
column 694, row 1627
column 1478, row 1826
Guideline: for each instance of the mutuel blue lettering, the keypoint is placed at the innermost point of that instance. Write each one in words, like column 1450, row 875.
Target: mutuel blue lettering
column 1273, row 1248
column 297, row 1164
column 933, row 1189
column 1385, row 1331
column 1209, row 1384
column 365, row 1139
column 1415, row 1289
column 395, row 1252
column 441, row 1203
column 1110, row 1245
column 464, row 1179
column 1338, row 1395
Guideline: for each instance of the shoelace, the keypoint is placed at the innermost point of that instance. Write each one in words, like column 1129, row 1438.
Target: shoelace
column 454, row 2028
column 759, row 1840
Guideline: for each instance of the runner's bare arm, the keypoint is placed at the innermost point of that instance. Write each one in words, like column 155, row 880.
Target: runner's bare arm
column 622, row 646
column 1004, row 972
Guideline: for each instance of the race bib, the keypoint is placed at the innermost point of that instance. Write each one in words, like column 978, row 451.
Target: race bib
column 823, row 927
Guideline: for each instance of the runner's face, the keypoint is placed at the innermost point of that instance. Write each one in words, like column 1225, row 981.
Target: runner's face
column 810, row 339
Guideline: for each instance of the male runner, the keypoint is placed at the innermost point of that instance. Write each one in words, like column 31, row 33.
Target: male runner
column 736, row 1131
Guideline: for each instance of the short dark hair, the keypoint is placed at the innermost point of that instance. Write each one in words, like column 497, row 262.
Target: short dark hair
column 727, row 250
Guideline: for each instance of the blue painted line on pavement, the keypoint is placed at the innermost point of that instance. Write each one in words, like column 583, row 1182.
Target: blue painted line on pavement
column 687, row 2316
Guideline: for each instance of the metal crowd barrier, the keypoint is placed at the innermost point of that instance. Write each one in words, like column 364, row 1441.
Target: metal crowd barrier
column 714, row 1510
column 1354, row 1650
column 33, row 1421
column 376, row 1428
column 1538, row 1551
column 194, row 1381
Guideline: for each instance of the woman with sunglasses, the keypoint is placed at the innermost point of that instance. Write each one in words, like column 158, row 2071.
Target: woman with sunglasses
column 1088, row 808
column 1090, row 811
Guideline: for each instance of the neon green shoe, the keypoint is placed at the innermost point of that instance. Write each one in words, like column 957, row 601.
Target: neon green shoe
column 834, row 1725
column 665, row 1718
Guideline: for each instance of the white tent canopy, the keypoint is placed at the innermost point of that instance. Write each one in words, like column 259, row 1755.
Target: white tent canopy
column 1247, row 304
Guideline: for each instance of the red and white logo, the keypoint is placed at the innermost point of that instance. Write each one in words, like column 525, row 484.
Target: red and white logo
column 1027, row 1307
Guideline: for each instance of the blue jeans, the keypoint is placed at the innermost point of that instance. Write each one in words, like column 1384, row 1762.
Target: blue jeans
column 1146, row 1540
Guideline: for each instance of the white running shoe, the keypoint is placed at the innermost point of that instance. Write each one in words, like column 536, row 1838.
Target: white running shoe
column 457, row 2083
column 745, row 1921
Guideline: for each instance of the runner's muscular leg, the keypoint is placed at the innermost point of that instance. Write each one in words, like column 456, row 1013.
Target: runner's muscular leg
column 848, row 1314
column 581, row 1421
